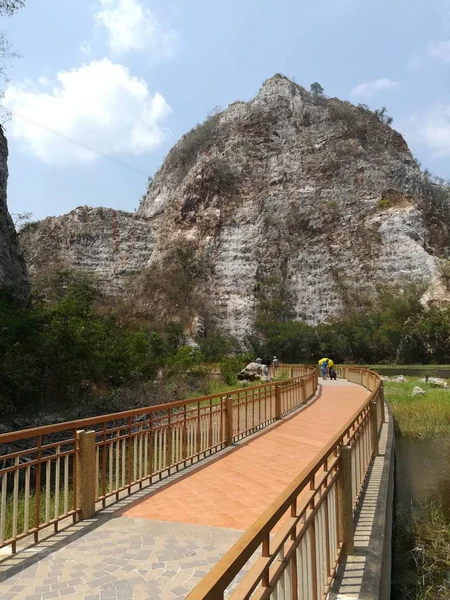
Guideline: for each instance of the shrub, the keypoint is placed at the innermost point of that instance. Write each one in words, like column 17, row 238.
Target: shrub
column 230, row 368
column 444, row 272
column 223, row 176
column 29, row 227
column 382, row 115
column 184, row 154
column 384, row 203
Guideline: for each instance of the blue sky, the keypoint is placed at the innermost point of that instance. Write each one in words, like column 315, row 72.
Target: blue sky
column 129, row 77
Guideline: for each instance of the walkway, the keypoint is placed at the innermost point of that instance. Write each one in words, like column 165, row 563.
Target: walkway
column 161, row 545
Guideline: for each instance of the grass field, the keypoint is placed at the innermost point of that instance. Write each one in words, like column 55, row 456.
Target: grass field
column 419, row 416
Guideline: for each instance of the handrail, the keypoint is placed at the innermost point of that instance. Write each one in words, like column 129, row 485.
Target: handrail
column 72, row 469
column 13, row 436
column 306, row 496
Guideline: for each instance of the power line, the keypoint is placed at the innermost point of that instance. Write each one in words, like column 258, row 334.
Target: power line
column 73, row 141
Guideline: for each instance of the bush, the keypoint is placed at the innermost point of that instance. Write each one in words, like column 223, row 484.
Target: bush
column 231, row 366
column 223, row 177
column 444, row 272
column 215, row 346
column 383, row 204
column 184, row 154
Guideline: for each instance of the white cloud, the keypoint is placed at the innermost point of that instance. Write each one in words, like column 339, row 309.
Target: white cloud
column 433, row 129
column 99, row 104
column 369, row 88
column 132, row 27
column 440, row 50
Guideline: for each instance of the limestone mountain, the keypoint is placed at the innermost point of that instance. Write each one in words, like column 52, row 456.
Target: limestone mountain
column 13, row 271
column 291, row 198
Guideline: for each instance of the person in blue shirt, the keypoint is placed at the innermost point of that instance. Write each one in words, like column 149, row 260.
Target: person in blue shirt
column 323, row 369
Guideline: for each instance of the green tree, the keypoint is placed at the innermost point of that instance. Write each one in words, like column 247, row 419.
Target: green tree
column 316, row 89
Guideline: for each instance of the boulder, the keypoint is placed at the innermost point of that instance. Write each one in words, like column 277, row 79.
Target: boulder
column 418, row 391
column 385, row 378
column 400, row 378
column 254, row 372
column 437, row 382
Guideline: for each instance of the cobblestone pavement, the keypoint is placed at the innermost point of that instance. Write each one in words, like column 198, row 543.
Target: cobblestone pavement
column 126, row 559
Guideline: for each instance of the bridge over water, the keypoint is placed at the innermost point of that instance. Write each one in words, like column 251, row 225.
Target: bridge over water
column 250, row 495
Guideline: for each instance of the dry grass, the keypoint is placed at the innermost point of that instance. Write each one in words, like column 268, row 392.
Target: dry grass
column 422, row 554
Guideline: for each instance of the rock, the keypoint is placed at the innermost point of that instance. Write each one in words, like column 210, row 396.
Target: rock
column 283, row 188
column 385, row 378
column 418, row 391
column 437, row 382
column 13, row 271
column 400, row 379
column 254, row 372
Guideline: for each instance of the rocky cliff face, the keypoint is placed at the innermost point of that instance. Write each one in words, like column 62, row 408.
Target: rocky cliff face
column 13, row 271
column 311, row 198
column 113, row 245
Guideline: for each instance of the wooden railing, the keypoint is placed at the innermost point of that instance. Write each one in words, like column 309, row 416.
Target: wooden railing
column 299, row 539
column 70, row 470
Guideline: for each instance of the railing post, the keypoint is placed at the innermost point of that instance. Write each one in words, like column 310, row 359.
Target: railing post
column 383, row 416
column 374, row 428
column 345, row 502
column 85, row 469
column 229, row 420
column 277, row 402
column 303, row 391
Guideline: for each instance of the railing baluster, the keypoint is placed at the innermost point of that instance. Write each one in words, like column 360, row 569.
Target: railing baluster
column 66, row 484
column 37, row 506
column 57, row 482
column 4, row 482
column 15, row 499
column 26, row 510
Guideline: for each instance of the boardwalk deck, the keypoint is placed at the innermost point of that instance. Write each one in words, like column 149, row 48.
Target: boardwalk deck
column 160, row 546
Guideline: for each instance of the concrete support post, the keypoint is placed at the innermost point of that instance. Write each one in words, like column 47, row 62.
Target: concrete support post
column 345, row 503
column 374, row 428
column 277, row 402
column 85, row 472
column 229, row 420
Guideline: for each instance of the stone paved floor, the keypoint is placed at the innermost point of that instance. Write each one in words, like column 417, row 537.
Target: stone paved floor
column 120, row 558
column 163, row 544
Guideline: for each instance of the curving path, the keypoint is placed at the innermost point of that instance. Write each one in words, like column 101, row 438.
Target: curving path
column 162, row 544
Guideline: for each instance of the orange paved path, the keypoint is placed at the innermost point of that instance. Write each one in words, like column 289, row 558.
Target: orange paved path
column 233, row 491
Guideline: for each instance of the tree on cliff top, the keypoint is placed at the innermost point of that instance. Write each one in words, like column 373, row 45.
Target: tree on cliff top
column 316, row 89
column 7, row 8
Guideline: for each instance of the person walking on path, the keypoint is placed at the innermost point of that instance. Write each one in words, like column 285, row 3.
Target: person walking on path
column 324, row 368
column 332, row 373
